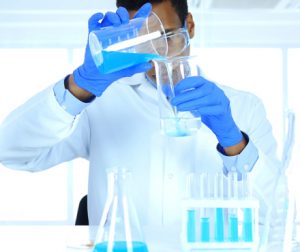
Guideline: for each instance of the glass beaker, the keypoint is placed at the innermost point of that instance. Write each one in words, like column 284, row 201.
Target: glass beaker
column 114, row 48
column 170, row 71
column 119, row 229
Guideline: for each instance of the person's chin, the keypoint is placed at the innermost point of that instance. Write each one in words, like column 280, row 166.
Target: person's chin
column 151, row 77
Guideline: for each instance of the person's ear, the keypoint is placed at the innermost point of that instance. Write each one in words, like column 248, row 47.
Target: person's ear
column 190, row 25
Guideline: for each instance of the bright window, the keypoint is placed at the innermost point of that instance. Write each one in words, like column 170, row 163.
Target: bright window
column 52, row 195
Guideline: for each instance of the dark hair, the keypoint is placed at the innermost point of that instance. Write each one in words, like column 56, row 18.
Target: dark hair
column 180, row 6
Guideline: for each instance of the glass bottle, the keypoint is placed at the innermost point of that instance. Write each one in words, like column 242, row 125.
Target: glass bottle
column 119, row 229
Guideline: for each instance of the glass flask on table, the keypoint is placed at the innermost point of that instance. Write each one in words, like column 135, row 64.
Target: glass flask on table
column 119, row 229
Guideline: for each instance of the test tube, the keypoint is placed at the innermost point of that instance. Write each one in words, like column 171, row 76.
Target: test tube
column 248, row 220
column 191, row 225
column 247, row 225
column 205, row 223
column 233, row 233
column 246, row 183
column 219, row 214
column 204, row 219
column 191, row 213
column 233, row 228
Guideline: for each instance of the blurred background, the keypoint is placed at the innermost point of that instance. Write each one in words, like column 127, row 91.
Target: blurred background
column 253, row 45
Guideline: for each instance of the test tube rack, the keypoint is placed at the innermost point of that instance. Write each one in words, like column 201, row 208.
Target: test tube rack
column 207, row 224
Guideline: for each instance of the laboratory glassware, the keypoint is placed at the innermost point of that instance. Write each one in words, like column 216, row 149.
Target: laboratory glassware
column 228, row 219
column 191, row 213
column 114, row 48
column 178, row 42
column 233, row 194
column 204, row 212
column 169, row 72
column 119, row 229
column 219, row 212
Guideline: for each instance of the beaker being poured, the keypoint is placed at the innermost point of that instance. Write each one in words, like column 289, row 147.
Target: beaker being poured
column 119, row 229
column 114, row 48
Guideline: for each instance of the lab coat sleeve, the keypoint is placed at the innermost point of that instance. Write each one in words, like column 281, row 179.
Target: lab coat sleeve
column 41, row 134
column 67, row 101
column 245, row 160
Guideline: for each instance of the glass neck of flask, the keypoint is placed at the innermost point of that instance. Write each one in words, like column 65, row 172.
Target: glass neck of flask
column 117, row 183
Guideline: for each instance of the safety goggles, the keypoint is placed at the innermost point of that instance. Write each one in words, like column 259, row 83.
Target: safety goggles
column 178, row 41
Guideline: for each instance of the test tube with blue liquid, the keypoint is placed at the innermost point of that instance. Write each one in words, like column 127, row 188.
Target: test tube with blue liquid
column 219, row 211
column 233, row 232
column 204, row 215
column 191, row 213
column 248, row 218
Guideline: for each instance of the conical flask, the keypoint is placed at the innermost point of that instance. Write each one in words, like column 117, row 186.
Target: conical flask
column 119, row 229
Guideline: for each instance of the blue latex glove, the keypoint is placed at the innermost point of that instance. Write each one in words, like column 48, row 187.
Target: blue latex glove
column 87, row 75
column 204, row 98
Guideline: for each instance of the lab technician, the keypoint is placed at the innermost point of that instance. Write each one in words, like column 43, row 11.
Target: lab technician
column 113, row 119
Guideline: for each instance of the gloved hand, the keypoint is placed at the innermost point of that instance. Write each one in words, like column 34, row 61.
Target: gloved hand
column 204, row 98
column 87, row 75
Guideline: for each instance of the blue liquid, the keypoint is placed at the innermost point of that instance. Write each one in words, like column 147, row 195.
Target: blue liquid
column 233, row 228
column 219, row 225
column 247, row 225
column 204, row 222
column 121, row 246
column 191, row 227
column 178, row 131
column 116, row 61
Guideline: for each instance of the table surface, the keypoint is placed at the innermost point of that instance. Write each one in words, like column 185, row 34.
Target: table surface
column 37, row 238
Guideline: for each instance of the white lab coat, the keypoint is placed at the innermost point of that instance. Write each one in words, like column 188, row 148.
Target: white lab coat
column 122, row 128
